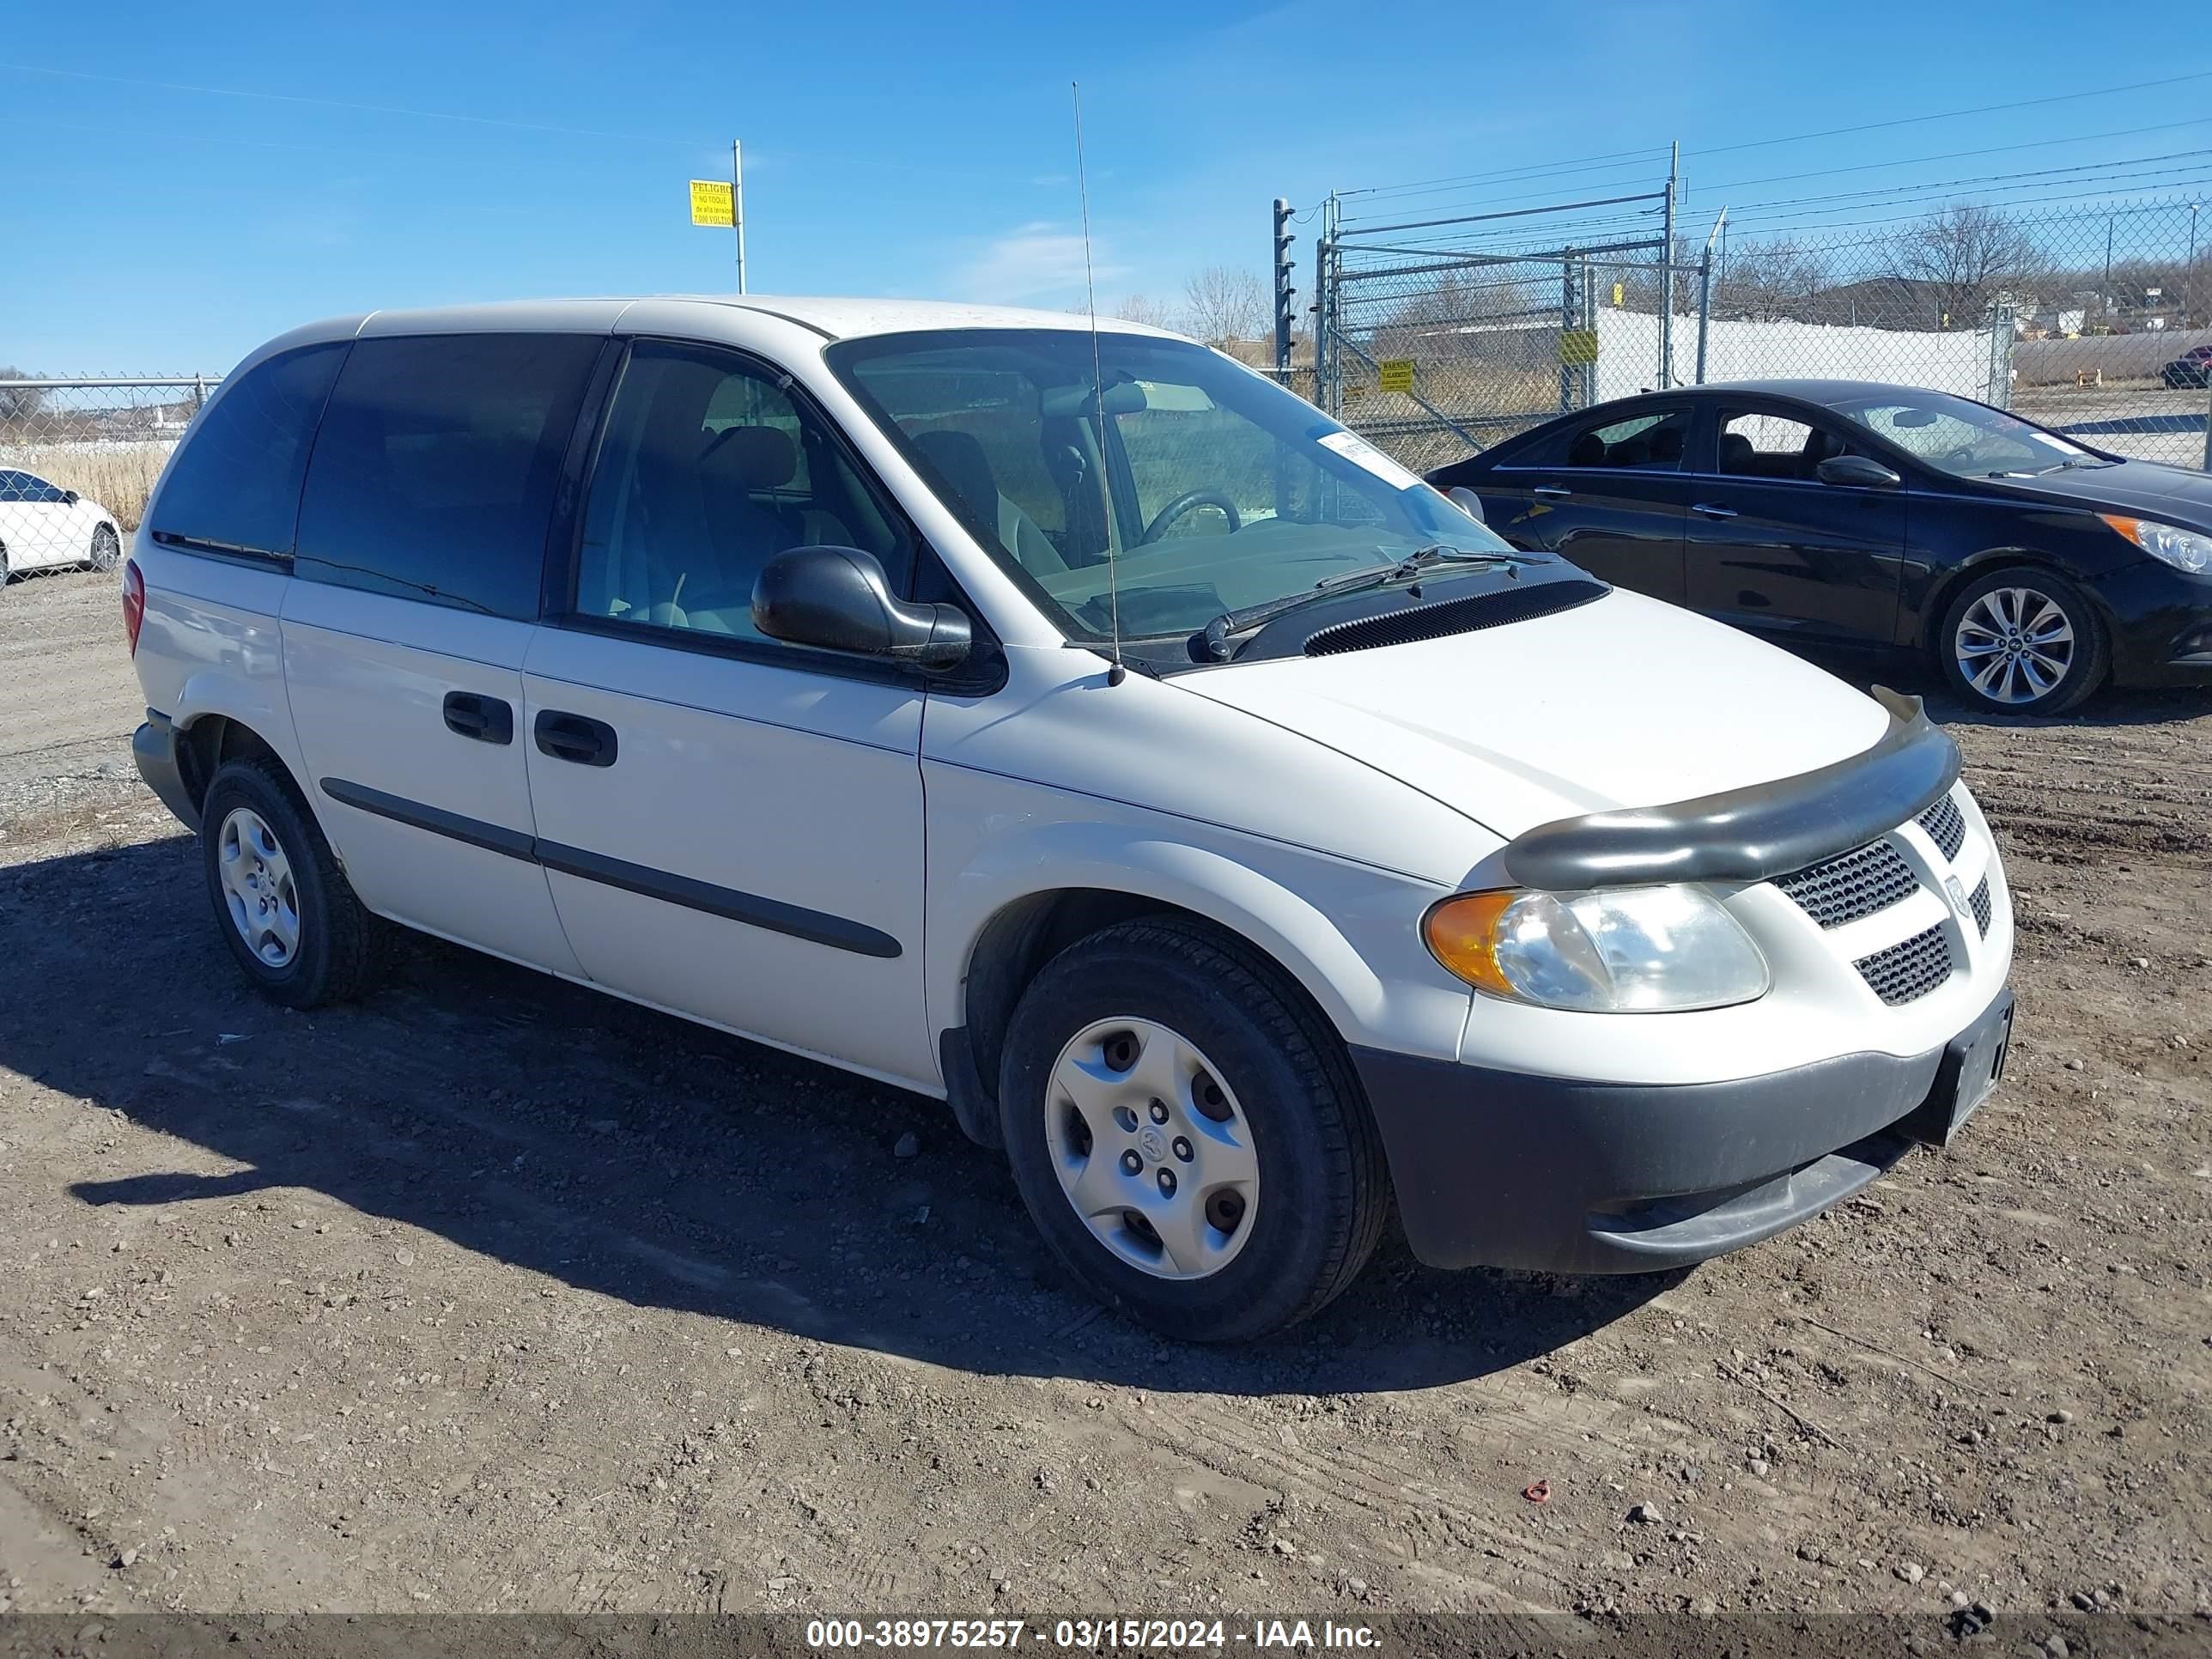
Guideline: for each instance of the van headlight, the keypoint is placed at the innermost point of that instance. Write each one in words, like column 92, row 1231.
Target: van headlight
column 1619, row 950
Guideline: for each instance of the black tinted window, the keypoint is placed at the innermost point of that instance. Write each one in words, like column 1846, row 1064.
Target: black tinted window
column 1652, row 441
column 708, row 470
column 236, row 482
column 433, row 475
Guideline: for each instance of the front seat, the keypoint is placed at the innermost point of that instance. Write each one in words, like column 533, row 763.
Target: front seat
column 959, row 459
column 1818, row 447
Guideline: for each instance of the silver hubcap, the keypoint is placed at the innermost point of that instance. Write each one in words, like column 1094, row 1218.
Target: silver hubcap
column 2014, row 645
column 1152, row 1149
column 257, row 886
column 103, row 550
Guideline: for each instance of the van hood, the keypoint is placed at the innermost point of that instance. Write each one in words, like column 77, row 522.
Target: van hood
column 1625, row 702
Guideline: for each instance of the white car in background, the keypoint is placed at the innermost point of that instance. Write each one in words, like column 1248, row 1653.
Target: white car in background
column 44, row 527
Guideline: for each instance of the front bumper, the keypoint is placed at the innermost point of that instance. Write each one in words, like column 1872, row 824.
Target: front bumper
column 154, row 746
column 2161, row 624
column 1506, row 1169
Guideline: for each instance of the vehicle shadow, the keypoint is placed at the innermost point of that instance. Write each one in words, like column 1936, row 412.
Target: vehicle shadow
column 629, row 1153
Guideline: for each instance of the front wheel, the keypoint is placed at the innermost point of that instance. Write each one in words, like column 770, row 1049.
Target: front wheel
column 2023, row 640
column 105, row 549
column 1188, row 1134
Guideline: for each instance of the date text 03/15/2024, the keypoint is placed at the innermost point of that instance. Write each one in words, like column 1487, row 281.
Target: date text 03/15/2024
column 1091, row 1635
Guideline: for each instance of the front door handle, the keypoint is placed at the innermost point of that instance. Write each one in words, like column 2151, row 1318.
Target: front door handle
column 487, row 719
column 576, row 738
column 1713, row 510
column 1552, row 492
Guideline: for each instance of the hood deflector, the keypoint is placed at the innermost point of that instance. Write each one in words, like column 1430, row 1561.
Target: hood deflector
column 1750, row 834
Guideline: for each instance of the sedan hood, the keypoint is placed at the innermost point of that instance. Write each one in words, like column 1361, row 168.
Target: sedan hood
column 2146, row 490
column 1621, row 703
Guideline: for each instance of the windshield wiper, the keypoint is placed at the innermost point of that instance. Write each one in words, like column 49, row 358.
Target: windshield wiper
column 1213, row 638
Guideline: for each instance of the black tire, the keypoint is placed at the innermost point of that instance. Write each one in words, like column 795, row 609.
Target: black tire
column 2087, row 665
column 107, row 549
column 1323, row 1194
column 340, row 943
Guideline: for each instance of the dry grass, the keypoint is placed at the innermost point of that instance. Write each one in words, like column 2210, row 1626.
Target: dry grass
column 118, row 476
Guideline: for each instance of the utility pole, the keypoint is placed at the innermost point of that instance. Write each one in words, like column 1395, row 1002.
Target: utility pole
column 2108, row 266
column 2189, row 272
column 1285, row 294
column 738, row 206
column 1666, row 275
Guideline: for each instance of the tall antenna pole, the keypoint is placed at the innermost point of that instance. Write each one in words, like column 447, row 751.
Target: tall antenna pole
column 1666, row 274
column 1117, row 673
column 738, row 206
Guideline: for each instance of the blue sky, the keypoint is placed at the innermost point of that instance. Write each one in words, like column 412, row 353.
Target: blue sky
column 160, row 224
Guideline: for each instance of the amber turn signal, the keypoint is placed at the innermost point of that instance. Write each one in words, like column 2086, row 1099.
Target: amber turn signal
column 1461, row 932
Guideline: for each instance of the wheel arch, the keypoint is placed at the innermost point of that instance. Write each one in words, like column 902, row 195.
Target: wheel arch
column 1012, row 934
column 1944, row 593
column 206, row 741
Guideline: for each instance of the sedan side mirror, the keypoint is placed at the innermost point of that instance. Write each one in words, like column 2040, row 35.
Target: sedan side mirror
column 1858, row 470
column 837, row 599
column 71, row 498
column 1467, row 501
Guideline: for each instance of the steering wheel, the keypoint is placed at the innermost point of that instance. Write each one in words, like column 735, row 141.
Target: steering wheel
column 1187, row 501
column 1962, row 455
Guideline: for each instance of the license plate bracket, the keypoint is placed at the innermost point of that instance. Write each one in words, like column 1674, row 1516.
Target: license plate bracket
column 1973, row 1062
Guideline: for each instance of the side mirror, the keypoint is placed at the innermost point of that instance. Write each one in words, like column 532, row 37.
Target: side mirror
column 1858, row 470
column 837, row 598
column 1467, row 501
column 71, row 498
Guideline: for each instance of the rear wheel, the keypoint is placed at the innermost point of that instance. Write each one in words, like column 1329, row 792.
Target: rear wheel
column 2023, row 640
column 284, row 907
column 1187, row 1133
column 106, row 549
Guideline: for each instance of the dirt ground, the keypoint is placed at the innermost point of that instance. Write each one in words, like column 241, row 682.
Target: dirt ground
column 490, row 1294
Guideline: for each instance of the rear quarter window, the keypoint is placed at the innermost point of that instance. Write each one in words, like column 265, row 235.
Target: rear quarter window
column 433, row 475
column 234, row 484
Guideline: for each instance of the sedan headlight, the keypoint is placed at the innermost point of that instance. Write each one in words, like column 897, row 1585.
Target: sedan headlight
column 1630, row 950
column 2184, row 550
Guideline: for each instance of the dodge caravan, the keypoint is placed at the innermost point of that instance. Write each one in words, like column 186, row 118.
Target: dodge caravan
column 1082, row 730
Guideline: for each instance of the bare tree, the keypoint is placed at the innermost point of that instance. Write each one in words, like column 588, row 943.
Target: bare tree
column 1964, row 252
column 1771, row 280
column 1142, row 308
column 1223, row 303
column 19, row 402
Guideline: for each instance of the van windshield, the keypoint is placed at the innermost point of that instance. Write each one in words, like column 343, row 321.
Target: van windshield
column 1212, row 490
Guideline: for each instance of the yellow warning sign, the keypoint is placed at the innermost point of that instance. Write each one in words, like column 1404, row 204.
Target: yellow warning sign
column 1396, row 374
column 1616, row 294
column 711, row 203
column 1577, row 345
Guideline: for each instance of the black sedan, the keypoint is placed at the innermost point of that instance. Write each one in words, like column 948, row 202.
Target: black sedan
column 1881, row 519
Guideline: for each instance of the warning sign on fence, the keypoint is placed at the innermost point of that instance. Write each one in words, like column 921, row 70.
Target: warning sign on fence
column 1577, row 345
column 1396, row 374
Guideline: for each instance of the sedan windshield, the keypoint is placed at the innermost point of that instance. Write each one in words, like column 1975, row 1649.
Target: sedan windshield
column 1968, row 440
column 1212, row 489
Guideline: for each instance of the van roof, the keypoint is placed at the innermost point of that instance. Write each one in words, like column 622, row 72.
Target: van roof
column 832, row 318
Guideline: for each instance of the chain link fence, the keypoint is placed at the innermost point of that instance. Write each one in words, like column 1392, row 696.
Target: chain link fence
column 78, row 459
column 2095, row 321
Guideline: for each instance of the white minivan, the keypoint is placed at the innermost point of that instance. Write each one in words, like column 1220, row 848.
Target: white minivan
column 1085, row 730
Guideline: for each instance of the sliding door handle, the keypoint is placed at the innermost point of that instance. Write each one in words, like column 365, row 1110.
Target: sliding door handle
column 574, row 738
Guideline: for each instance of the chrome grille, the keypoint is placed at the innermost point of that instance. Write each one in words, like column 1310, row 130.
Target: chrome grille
column 1910, row 968
column 1871, row 878
column 1981, row 903
column 1945, row 826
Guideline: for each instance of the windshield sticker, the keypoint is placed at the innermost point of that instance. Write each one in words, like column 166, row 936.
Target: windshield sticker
column 1361, row 454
